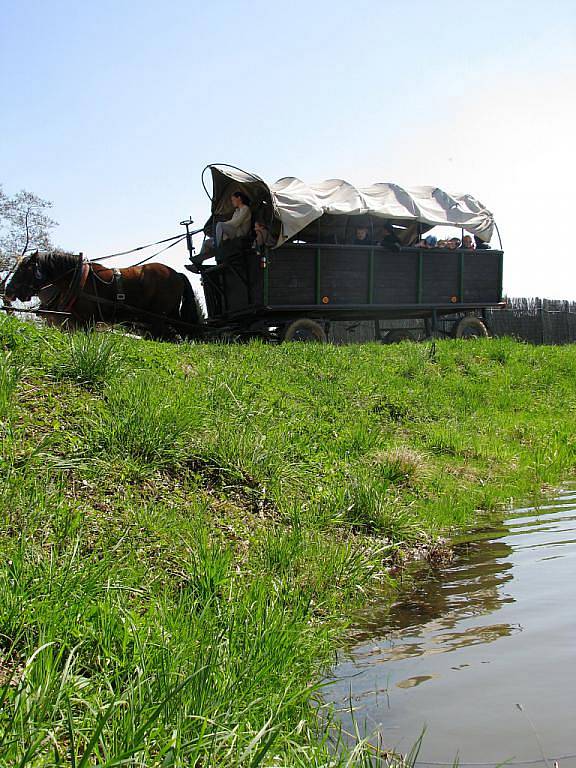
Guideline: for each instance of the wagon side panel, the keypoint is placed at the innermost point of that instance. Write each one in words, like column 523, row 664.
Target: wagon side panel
column 395, row 277
column 291, row 276
column 440, row 277
column 482, row 277
column 343, row 276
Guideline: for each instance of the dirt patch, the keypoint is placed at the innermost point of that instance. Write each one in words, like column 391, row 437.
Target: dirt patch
column 10, row 672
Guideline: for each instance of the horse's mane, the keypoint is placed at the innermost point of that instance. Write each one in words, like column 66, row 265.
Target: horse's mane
column 56, row 263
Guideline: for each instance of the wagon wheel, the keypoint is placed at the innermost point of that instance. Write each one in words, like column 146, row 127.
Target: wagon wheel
column 471, row 327
column 304, row 329
column 397, row 335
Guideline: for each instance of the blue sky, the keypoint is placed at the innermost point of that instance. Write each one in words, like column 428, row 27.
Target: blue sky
column 112, row 109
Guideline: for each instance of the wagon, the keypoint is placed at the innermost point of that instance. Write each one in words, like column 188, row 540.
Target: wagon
column 313, row 273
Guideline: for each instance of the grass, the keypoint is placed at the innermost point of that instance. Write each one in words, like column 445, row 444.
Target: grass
column 185, row 530
column 88, row 358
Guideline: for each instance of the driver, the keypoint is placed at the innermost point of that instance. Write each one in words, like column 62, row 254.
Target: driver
column 239, row 224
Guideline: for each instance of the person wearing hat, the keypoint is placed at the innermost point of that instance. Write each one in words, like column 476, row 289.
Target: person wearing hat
column 431, row 241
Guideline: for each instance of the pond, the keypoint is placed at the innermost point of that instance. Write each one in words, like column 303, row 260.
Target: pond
column 480, row 653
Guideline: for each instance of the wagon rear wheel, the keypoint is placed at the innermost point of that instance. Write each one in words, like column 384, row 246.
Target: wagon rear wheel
column 304, row 329
column 471, row 328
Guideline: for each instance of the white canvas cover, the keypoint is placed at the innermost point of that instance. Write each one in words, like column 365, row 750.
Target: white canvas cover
column 297, row 204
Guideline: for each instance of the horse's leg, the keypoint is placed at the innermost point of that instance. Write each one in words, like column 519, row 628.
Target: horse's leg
column 167, row 301
column 161, row 331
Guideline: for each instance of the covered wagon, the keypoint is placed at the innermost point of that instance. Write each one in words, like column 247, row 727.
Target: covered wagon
column 313, row 268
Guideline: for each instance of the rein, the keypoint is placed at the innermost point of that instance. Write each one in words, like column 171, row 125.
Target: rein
column 176, row 238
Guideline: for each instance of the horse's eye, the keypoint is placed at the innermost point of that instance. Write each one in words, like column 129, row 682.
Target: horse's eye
column 38, row 274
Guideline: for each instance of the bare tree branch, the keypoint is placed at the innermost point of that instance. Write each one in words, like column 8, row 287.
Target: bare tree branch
column 24, row 224
column 27, row 233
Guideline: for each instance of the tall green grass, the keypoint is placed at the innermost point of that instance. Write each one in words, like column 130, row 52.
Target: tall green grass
column 139, row 420
column 186, row 530
column 90, row 358
column 9, row 375
column 118, row 660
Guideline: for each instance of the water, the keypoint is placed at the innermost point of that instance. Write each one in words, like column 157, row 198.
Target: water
column 482, row 653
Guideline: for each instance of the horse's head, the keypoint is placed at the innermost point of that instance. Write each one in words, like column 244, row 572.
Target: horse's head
column 27, row 280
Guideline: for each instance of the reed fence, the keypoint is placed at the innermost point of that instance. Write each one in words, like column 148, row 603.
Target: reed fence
column 535, row 320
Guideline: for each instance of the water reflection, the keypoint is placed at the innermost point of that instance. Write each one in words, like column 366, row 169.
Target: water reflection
column 472, row 640
column 412, row 682
column 472, row 586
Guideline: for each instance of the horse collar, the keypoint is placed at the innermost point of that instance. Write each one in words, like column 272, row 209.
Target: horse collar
column 80, row 279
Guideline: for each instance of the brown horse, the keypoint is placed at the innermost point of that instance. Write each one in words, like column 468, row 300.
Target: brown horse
column 152, row 295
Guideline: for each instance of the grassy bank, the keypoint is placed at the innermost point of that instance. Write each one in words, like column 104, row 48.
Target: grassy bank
column 184, row 529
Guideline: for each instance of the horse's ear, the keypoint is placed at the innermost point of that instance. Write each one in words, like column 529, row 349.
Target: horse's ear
column 38, row 270
column 26, row 257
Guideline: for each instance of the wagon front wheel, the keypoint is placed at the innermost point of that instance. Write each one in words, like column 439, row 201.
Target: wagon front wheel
column 304, row 329
column 471, row 328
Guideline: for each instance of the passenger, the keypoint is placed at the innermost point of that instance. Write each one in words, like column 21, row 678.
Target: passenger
column 454, row 243
column 389, row 239
column 422, row 244
column 467, row 243
column 239, row 224
column 442, row 244
column 431, row 241
column 264, row 237
column 480, row 244
column 362, row 236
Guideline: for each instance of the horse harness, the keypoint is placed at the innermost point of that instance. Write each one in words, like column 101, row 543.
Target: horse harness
column 66, row 300
column 118, row 289
column 76, row 286
column 120, row 295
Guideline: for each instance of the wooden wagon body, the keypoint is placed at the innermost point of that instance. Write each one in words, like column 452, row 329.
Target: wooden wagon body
column 335, row 282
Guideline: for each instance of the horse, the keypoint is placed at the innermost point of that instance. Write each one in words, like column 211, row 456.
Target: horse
column 152, row 295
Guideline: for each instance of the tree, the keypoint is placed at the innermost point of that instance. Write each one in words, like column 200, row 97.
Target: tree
column 24, row 226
